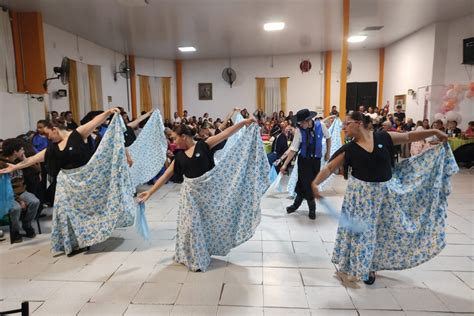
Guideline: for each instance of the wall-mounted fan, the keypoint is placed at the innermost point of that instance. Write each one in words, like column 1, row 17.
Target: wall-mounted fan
column 229, row 75
column 124, row 70
column 61, row 73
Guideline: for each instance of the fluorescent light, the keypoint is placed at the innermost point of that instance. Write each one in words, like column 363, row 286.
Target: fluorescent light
column 187, row 49
column 356, row 38
column 275, row 26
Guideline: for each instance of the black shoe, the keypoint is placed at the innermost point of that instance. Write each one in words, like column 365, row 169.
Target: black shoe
column 312, row 214
column 371, row 278
column 78, row 251
column 290, row 209
column 15, row 238
column 30, row 232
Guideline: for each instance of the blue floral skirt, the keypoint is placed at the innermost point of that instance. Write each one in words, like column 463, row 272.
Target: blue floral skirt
column 404, row 219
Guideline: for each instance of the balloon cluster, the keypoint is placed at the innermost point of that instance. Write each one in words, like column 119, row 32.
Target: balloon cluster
column 455, row 93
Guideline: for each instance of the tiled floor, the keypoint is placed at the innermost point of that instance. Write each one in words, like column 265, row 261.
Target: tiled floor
column 285, row 269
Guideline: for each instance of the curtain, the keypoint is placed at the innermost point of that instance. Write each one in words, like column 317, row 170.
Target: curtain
column 272, row 95
column 283, row 93
column 156, row 93
column 94, row 87
column 261, row 94
column 73, row 90
column 83, row 89
column 7, row 55
column 166, row 93
column 145, row 96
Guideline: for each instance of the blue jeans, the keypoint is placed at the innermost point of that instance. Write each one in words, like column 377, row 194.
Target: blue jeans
column 32, row 205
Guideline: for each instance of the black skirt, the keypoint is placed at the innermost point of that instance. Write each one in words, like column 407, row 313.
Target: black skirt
column 308, row 169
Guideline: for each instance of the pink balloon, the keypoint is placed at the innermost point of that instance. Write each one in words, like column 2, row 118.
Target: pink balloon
column 458, row 87
column 469, row 94
column 451, row 94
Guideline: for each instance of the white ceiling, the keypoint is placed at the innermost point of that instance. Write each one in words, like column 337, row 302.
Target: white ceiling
column 234, row 28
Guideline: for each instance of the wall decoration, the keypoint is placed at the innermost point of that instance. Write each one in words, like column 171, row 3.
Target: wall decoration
column 400, row 100
column 205, row 91
column 305, row 65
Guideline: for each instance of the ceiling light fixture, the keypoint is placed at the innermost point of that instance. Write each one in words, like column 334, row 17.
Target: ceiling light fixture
column 187, row 49
column 356, row 38
column 274, row 26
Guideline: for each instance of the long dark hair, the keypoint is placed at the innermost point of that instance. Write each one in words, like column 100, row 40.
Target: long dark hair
column 360, row 117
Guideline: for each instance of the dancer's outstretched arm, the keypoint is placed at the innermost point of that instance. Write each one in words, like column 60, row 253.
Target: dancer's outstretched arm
column 224, row 123
column 215, row 140
column 332, row 166
column 134, row 124
column 291, row 154
column 39, row 157
column 144, row 196
column 87, row 129
column 404, row 138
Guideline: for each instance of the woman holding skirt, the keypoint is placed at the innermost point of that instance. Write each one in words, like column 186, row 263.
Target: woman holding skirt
column 396, row 213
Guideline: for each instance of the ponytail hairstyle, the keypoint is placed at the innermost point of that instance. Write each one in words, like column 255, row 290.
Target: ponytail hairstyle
column 184, row 129
column 360, row 117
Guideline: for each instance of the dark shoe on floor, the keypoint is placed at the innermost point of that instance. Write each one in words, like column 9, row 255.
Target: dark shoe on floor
column 78, row 251
column 371, row 279
column 312, row 214
column 30, row 232
column 290, row 209
column 15, row 238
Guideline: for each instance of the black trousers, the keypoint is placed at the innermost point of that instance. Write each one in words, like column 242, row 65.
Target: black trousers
column 308, row 169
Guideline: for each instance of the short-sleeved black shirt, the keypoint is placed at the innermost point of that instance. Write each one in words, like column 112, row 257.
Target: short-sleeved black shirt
column 201, row 162
column 76, row 154
column 370, row 167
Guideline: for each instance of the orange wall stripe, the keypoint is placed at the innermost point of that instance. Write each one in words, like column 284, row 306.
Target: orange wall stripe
column 30, row 58
column 381, row 75
column 133, row 85
column 179, row 86
column 344, row 54
column 327, row 82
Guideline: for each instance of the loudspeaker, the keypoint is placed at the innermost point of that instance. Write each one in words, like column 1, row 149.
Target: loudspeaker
column 468, row 51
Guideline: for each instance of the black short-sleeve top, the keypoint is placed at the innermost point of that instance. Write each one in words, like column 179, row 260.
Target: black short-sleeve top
column 375, row 166
column 76, row 153
column 201, row 161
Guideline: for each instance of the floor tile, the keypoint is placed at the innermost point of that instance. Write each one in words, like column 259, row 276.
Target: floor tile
column 418, row 300
column 239, row 311
column 109, row 309
column 142, row 310
column 182, row 310
column 320, row 277
column 284, row 296
column 378, row 298
column 282, row 276
column 328, row 298
column 243, row 275
column 116, row 292
column 199, row 294
column 242, row 295
column 157, row 293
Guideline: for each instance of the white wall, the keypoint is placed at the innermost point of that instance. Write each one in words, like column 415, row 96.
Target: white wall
column 365, row 68
column 59, row 44
column 156, row 68
column 409, row 65
column 454, row 71
column 304, row 89
column 16, row 113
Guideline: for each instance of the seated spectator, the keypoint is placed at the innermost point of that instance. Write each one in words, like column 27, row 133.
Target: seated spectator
column 470, row 130
column 40, row 139
column 26, row 204
column 399, row 113
column 409, row 126
column 70, row 124
column 453, row 129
